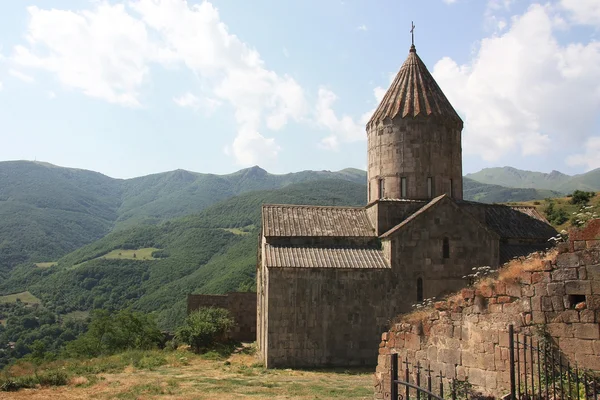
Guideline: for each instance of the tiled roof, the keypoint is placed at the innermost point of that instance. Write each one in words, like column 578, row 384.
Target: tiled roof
column 413, row 216
column 414, row 92
column 303, row 221
column 518, row 222
column 318, row 257
column 510, row 251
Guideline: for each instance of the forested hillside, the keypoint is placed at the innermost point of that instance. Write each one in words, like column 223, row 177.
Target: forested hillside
column 211, row 252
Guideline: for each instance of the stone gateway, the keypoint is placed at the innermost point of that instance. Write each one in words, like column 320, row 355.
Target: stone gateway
column 330, row 279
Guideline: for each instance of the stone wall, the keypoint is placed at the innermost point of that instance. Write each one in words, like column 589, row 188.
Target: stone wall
column 466, row 336
column 241, row 305
column 416, row 252
column 414, row 148
column 324, row 316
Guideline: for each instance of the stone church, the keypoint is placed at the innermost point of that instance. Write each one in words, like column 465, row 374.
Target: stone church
column 330, row 279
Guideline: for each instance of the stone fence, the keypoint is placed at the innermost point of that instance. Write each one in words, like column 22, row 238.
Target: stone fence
column 241, row 305
column 466, row 336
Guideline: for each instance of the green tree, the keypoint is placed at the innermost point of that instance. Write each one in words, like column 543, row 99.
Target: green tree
column 111, row 333
column 581, row 197
column 205, row 328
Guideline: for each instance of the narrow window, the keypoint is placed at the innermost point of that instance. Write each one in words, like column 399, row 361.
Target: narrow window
column 429, row 187
column 420, row 289
column 451, row 188
column 446, row 248
column 381, row 188
column 403, row 188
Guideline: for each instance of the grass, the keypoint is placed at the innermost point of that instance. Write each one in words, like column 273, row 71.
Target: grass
column 144, row 254
column 183, row 375
column 139, row 254
column 45, row 264
column 240, row 231
column 77, row 315
column 25, row 297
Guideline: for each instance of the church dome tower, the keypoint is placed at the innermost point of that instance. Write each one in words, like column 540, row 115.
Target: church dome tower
column 414, row 139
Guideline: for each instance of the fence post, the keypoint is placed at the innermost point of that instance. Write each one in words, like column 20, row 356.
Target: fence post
column 511, row 357
column 394, row 378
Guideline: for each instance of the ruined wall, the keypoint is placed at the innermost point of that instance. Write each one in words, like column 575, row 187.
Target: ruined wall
column 466, row 336
column 241, row 305
column 415, row 148
column 417, row 251
column 326, row 316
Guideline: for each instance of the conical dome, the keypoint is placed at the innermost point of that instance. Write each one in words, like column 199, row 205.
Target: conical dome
column 414, row 93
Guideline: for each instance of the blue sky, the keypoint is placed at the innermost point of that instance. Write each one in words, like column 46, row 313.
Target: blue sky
column 134, row 87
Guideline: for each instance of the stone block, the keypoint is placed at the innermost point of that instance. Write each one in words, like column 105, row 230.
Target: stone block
column 557, row 303
column 560, row 330
column 569, row 316
column 538, row 317
column 578, row 245
column 528, row 291
column 555, row 289
column 586, row 331
column 546, row 303
column 538, row 277
column 495, row 308
column 578, row 287
column 503, row 299
column 412, row 341
column 587, row 316
column 592, row 244
column 593, row 272
column 564, row 274
column 525, row 277
column 595, row 285
column 582, row 273
column 589, row 362
column 567, row 260
column 575, row 347
column 448, row 356
column 513, row 289
column 500, row 288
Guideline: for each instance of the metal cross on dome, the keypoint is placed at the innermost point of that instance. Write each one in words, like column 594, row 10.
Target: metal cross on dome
column 412, row 32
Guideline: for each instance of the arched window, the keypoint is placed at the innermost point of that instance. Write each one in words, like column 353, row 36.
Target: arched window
column 419, row 289
column 446, row 248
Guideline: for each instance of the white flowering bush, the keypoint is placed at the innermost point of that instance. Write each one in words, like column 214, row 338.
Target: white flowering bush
column 478, row 273
column 562, row 237
column 585, row 214
column 424, row 304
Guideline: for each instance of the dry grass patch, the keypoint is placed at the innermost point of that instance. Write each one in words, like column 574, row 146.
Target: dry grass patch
column 188, row 376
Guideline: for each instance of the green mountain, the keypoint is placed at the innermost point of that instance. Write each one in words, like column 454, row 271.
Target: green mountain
column 48, row 211
column 557, row 181
column 211, row 252
column 485, row 193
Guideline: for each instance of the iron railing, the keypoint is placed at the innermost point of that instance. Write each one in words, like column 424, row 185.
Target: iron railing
column 538, row 370
column 415, row 387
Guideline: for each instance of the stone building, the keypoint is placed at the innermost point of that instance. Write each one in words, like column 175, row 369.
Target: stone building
column 330, row 279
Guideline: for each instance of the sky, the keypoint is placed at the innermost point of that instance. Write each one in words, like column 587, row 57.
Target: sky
column 134, row 87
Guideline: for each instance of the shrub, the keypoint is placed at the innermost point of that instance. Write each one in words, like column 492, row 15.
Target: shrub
column 581, row 197
column 205, row 328
column 556, row 216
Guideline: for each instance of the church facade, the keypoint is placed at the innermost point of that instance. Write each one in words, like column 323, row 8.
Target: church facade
column 331, row 279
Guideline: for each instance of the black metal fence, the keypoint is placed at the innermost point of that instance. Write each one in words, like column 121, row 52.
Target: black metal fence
column 538, row 370
column 404, row 388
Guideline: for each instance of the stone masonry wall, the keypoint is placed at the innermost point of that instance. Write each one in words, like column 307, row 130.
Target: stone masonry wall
column 467, row 335
column 414, row 148
column 241, row 305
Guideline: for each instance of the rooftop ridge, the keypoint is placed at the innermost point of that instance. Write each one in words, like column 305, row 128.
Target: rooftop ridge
column 315, row 206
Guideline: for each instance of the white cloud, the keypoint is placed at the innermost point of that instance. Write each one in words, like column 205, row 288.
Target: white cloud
column 188, row 100
column 1, row 86
column 362, row 27
column 51, row 95
column 344, row 129
column 523, row 90
column 21, row 76
column 585, row 12
column 590, row 158
column 107, row 53
column 449, row 1
column 104, row 52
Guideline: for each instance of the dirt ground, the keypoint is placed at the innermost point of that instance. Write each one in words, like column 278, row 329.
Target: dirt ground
column 236, row 378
